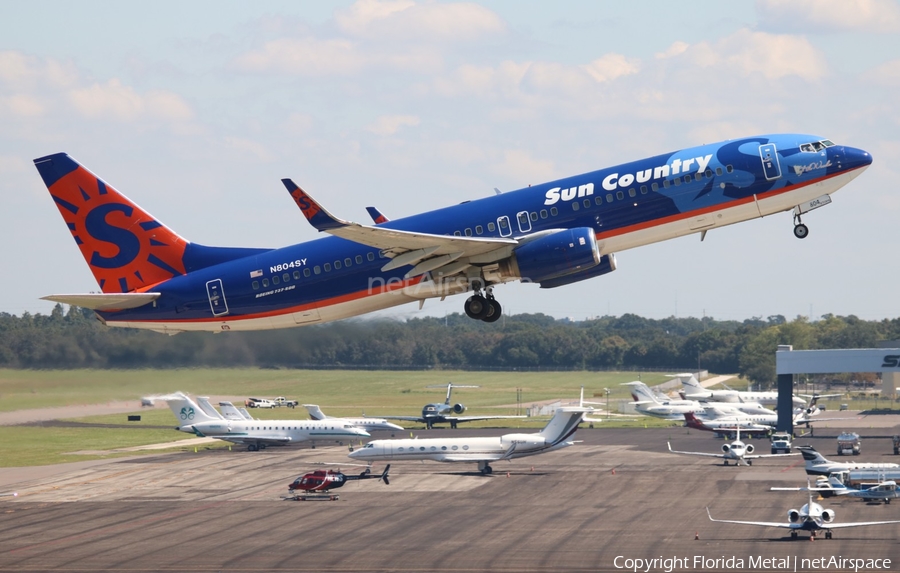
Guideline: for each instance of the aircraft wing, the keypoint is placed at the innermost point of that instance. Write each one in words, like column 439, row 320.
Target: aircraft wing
column 695, row 453
column 754, row 456
column 273, row 440
column 404, row 418
column 782, row 524
column 474, row 458
column 855, row 524
column 476, row 418
column 395, row 242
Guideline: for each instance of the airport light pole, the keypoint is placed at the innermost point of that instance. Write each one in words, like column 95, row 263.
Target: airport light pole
column 607, row 403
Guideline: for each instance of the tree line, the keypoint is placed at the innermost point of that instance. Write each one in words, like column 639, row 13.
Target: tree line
column 73, row 338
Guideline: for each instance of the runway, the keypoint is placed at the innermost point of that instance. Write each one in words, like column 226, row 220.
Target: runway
column 617, row 495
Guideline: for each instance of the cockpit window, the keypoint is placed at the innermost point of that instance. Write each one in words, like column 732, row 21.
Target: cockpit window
column 369, row 446
column 816, row 146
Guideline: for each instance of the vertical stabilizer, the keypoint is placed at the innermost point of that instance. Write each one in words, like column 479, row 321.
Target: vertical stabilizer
column 125, row 247
column 186, row 410
column 562, row 425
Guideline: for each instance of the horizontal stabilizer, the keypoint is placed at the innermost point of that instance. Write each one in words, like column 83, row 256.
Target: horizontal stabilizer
column 105, row 301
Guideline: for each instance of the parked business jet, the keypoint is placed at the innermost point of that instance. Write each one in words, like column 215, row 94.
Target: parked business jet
column 438, row 413
column 737, row 451
column 368, row 424
column 554, row 436
column 817, row 465
column 882, row 490
column 232, row 412
column 811, row 517
column 693, row 390
column 256, row 434
column 552, row 234
column 727, row 425
column 650, row 404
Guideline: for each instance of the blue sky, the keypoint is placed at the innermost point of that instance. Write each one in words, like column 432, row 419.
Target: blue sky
column 197, row 110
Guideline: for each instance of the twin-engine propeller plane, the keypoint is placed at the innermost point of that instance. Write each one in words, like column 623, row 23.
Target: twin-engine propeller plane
column 737, row 451
column 322, row 481
column 552, row 234
column 812, row 517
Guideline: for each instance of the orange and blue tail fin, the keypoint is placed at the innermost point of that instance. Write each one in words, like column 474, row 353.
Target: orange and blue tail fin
column 125, row 247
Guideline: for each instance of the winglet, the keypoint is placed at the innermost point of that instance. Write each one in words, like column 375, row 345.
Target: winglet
column 317, row 215
column 377, row 215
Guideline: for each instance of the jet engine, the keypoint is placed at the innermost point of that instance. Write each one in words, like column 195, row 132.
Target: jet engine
column 607, row 265
column 726, row 448
column 793, row 516
column 458, row 408
column 828, row 515
column 523, row 441
column 558, row 254
column 750, row 448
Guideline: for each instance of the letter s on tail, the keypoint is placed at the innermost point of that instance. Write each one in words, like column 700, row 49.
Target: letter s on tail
column 125, row 247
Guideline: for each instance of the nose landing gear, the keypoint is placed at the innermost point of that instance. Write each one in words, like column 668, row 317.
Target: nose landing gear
column 801, row 231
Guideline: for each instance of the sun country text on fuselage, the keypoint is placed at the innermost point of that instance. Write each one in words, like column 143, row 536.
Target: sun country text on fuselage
column 553, row 234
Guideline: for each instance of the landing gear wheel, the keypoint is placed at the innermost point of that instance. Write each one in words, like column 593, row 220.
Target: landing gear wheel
column 793, row 535
column 749, row 462
column 488, row 470
column 827, row 535
column 801, row 231
column 476, row 307
column 252, row 448
column 494, row 311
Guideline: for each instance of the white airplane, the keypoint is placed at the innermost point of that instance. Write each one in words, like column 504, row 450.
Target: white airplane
column 228, row 411
column 232, row 412
column 816, row 464
column 737, row 451
column 368, row 424
column 811, row 517
column 726, row 424
column 554, row 436
column 649, row 404
column 882, row 490
column 693, row 390
column 256, row 434
column 582, row 403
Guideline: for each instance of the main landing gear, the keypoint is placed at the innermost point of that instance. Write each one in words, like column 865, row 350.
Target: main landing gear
column 485, row 468
column 801, row 231
column 483, row 307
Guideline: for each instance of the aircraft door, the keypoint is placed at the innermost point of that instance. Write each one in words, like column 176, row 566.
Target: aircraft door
column 769, row 157
column 524, row 221
column 504, row 226
column 216, row 295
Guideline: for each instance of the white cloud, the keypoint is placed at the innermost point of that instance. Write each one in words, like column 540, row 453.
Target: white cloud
column 519, row 165
column 403, row 20
column 113, row 100
column 774, row 56
column 21, row 105
column 676, row 49
column 20, row 71
column 611, row 66
column 244, row 147
column 390, row 124
column 870, row 16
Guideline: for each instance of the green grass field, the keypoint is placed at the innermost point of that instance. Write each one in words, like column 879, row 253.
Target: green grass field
column 339, row 393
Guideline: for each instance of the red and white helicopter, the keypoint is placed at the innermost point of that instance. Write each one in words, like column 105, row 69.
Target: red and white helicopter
column 321, row 481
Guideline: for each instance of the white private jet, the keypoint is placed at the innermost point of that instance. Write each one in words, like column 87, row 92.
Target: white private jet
column 554, row 436
column 816, row 464
column 368, row 424
column 737, row 451
column 256, row 434
column 883, row 490
column 648, row 403
column 227, row 410
column 693, row 390
column 811, row 517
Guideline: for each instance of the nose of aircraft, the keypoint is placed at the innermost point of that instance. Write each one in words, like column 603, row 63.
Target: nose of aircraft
column 357, row 454
column 394, row 426
column 363, row 433
column 855, row 158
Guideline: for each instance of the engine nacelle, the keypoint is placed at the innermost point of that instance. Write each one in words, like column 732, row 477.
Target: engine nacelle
column 726, row 448
column 607, row 265
column 793, row 516
column 458, row 408
column 523, row 441
column 749, row 448
column 828, row 515
column 558, row 254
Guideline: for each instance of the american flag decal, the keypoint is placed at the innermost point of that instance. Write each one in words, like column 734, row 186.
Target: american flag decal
column 254, row 274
